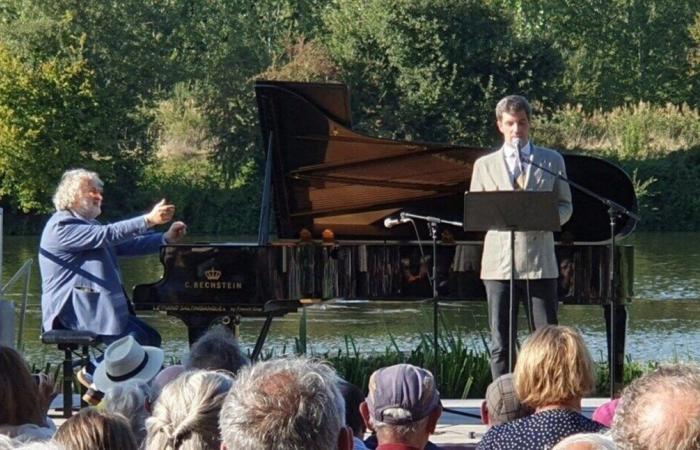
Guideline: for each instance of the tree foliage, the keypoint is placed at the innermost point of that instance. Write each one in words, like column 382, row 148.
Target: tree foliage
column 433, row 70
column 46, row 124
column 156, row 95
column 616, row 51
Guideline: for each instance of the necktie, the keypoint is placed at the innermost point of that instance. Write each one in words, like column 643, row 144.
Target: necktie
column 518, row 174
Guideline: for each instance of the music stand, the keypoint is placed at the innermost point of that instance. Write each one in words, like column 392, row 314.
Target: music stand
column 511, row 211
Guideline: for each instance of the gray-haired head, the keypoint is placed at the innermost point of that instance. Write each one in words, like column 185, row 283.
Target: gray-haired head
column 283, row 404
column 589, row 441
column 217, row 349
column 69, row 191
column 402, row 400
column 130, row 399
column 661, row 409
column 186, row 413
column 511, row 104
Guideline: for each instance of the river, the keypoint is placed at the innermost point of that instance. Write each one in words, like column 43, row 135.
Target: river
column 662, row 318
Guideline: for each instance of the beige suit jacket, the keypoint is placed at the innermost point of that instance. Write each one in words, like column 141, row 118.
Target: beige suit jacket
column 534, row 250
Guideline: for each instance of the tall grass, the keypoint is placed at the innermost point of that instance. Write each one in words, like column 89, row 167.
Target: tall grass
column 636, row 131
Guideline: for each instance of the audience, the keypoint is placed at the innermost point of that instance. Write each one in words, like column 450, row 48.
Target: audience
column 402, row 407
column 132, row 399
column 166, row 375
column 285, row 404
column 93, row 430
column 586, row 441
column 217, row 349
column 186, row 413
column 553, row 372
column 353, row 419
column 125, row 359
column 301, row 404
column 501, row 404
column 660, row 410
column 24, row 399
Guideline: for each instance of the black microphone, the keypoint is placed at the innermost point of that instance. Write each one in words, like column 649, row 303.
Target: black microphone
column 391, row 223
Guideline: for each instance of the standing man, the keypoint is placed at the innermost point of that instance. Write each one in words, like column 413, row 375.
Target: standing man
column 81, row 282
column 536, row 270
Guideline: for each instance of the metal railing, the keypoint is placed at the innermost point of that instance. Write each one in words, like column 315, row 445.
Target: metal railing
column 7, row 307
column 24, row 272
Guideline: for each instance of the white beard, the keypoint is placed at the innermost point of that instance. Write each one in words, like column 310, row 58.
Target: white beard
column 87, row 209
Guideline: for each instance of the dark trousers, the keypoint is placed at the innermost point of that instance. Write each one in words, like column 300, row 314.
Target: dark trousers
column 540, row 309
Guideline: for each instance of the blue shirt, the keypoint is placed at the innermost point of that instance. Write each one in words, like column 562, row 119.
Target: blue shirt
column 539, row 431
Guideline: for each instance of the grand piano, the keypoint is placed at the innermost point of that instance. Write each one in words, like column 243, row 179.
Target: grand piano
column 331, row 188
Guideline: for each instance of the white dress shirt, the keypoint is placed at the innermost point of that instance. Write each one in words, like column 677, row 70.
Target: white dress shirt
column 515, row 166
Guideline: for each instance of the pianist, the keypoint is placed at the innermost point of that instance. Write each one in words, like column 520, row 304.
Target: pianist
column 536, row 269
column 81, row 283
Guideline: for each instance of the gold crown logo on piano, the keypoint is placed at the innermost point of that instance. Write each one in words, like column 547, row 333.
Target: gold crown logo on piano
column 212, row 274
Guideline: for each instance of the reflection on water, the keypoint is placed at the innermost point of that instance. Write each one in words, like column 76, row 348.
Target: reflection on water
column 662, row 319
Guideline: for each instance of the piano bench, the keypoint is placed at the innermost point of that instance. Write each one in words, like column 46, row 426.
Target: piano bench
column 70, row 342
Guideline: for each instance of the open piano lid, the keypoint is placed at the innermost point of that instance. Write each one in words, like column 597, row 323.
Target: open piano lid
column 325, row 175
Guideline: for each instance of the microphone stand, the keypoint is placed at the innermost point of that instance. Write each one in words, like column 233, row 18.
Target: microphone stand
column 614, row 211
column 432, row 228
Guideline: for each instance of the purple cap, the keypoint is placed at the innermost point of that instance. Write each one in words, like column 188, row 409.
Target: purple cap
column 402, row 394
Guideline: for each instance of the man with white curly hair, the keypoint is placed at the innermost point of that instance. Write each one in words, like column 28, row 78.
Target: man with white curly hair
column 285, row 404
column 81, row 282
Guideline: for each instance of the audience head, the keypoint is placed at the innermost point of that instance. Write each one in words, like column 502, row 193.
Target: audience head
column 19, row 393
column 586, row 441
column 73, row 192
column 285, row 404
column 353, row 398
column 554, row 367
column 125, row 359
column 661, row 409
column 186, row 413
column 217, row 349
column 132, row 399
column 6, row 442
column 501, row 403
column 167, row 375
column 89, row 429
column 403, row 405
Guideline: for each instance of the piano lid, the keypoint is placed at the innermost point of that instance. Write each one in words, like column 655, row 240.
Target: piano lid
column 325, row 175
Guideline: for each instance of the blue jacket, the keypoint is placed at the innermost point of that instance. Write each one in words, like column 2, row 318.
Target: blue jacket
column 81, row 284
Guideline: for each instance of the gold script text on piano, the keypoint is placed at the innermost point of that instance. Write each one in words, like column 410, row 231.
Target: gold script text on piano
column 214, row 285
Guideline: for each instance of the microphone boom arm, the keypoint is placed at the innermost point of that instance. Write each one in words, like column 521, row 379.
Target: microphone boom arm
column 604, row 200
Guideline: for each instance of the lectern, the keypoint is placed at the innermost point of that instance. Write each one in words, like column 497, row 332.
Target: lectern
column 511, row 211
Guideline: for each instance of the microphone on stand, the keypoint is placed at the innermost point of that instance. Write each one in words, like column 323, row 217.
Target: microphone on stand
column 391, row 223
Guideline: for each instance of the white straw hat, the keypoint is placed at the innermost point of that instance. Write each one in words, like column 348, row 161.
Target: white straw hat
column 126, row 359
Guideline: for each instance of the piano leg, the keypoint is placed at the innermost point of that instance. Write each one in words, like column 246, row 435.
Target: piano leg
column 261, row 337
column 616, row 355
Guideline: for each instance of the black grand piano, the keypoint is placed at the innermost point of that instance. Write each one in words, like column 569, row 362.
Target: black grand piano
column 331, row 189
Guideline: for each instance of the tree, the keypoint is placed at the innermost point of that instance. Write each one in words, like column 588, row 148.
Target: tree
column 434, row 70
column 616, row 51
column 46, row 125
